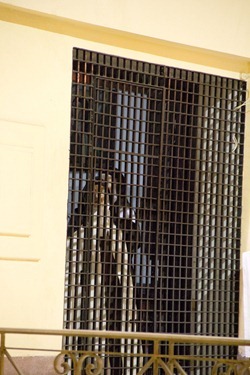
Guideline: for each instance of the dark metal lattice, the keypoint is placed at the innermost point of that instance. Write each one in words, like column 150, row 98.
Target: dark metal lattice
column 155, row 183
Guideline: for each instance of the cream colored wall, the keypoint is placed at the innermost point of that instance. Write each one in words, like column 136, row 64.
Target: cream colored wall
column 35, row 83
column 216, row 25
column 34, row 124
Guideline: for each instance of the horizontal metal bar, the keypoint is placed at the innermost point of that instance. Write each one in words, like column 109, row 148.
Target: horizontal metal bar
column 178, row 338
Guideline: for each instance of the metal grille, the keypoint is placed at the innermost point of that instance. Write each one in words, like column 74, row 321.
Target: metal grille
column 154, row 209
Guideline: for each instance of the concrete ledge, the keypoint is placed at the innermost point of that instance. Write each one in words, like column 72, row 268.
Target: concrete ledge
column 30, row 366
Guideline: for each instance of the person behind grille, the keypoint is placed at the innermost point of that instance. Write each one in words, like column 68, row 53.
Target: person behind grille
column 109, row 222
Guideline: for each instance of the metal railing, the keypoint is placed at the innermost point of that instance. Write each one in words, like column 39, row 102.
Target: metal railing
column 155, row 361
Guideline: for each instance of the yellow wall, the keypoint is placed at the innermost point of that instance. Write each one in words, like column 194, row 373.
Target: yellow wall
column 35, row 83
column 218, row 25
column 35, row 79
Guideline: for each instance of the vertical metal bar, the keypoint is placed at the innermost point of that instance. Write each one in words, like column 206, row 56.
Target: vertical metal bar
column 171, row 356
column 219, row 209
column 156, row 312
column 2, row 353
column 88, row 236
column 196, row 229
column 156, row 356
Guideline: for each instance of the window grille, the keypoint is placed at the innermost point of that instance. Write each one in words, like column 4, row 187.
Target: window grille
column 154, row 208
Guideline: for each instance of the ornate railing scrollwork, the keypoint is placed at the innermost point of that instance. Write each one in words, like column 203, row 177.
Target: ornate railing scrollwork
column 236, row 368
column 171, row 365
column 61, row 362
column 98, row 361
column 168, row 367
column 90, row 369
column 76, row 362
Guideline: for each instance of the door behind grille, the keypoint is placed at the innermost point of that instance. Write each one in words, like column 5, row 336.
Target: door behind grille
column 155, row 182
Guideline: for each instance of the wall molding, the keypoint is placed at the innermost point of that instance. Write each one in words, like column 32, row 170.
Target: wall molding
column 122, row 39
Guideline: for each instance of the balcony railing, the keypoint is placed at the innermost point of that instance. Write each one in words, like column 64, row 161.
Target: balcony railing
column 161, row 357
